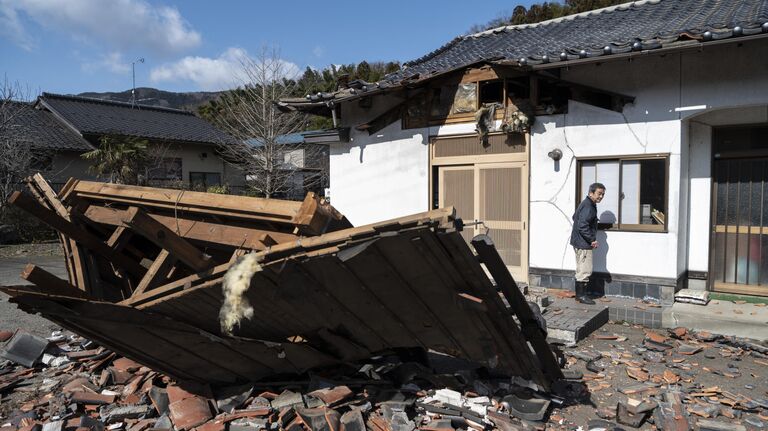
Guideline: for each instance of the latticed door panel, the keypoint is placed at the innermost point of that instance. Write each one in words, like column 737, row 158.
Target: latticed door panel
column 457, row 185
column 497, row 195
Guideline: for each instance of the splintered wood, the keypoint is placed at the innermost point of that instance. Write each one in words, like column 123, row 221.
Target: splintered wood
column 146, row 268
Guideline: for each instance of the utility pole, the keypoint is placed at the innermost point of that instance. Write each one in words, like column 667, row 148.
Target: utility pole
column 133, row 73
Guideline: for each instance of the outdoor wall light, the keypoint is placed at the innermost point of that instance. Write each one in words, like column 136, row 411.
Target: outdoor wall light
column 555, row 154
column 583, row 53
column 607, row 50
column 545, row 58
column 563, row 56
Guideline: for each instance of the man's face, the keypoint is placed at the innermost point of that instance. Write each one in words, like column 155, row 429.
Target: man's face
column 597, row 195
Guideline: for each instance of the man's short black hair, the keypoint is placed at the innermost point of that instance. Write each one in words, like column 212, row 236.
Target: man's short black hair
column 594, row 186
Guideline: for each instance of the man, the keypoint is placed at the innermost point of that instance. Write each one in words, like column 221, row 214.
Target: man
column 584, row 239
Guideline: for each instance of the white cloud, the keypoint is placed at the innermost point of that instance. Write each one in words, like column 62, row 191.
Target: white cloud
column 120, row 24
column 11, row 27
column 219, row 73
column 113, row 62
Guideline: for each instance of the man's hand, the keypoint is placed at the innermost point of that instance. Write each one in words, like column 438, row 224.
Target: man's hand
column 594, row 244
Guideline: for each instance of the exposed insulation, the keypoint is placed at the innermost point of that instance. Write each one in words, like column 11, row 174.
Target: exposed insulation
column 236, row 282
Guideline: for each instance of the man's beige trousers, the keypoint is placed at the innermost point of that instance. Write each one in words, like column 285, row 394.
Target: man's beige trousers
column 583, row 264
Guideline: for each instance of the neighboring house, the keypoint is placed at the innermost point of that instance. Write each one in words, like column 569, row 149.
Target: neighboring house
column 665, row 102
column 56, row 147
column 182, row 146
column 303, row 158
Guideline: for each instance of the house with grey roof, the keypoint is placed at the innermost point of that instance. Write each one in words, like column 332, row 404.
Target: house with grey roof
column 54, row 147
column 184, row 147
column 663, row 101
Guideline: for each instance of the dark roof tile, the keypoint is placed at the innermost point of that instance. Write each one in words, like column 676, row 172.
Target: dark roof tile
column 41, row 130
column 102, row 117
column 654, row 23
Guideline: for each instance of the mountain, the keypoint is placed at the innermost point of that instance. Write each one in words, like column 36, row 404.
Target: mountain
column 152, row 96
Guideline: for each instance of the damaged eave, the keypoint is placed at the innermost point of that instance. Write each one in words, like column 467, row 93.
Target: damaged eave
column 323, row 103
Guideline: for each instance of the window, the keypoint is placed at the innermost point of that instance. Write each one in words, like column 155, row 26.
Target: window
column 202, row 180
column 167, row 168
column 636, row 191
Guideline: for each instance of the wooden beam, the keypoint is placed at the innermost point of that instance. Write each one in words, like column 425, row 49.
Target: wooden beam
column 166, row 239
column 229, row 206
column 82, row 237
column 533, row 333
column 177, row 285
column 48, row 198
column 50, row 195
column 213, row 233
column 157, row 272
column 48, row 283
column 119, row 238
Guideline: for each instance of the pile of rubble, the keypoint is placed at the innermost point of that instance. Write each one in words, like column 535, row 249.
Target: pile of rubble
column 663, row 381
column 229, row 289
column 65, row 382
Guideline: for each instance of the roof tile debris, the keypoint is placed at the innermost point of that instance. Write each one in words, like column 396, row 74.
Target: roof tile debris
column 101, row 117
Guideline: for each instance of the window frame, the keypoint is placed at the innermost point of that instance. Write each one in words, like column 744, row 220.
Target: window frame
column 205, row 177
column 626, row 227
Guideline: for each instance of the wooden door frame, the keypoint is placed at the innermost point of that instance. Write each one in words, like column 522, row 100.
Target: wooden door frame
column 435, row 164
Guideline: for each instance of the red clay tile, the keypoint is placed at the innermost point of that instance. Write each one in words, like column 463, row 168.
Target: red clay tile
column 83, row 397
column 189, row 413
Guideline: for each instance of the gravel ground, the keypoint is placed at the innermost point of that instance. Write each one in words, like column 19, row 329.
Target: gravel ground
column 13, row 258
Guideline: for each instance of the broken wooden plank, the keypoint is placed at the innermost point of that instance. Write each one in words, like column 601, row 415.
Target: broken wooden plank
column 47, row 283
column 166, row 239
column 270, row 210
column 177, row 285
column 52, row 219
column 209, row 232
column 156, row 273
column 529, row 325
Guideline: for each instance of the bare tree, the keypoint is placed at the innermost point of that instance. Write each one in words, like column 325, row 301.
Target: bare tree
column 18, row 157
column 273, row 167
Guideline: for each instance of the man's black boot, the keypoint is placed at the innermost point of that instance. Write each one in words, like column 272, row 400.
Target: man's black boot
column 581, row 293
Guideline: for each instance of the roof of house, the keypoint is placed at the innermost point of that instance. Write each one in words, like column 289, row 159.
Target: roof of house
column 102, row 117
column 629, row 28
column 634, row 26
column 41, row 130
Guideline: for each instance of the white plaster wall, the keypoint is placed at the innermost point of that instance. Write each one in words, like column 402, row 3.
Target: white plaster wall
column 587, row 131
column 720, row 78
column 380, row 176
column 700, row 162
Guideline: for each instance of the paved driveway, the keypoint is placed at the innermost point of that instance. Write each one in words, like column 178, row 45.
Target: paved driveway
column 11, row 267
column 11, row 318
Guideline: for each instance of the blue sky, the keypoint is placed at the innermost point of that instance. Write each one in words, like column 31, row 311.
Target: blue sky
column 72, row 46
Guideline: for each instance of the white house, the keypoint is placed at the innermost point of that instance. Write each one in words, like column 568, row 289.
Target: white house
column 663, row 101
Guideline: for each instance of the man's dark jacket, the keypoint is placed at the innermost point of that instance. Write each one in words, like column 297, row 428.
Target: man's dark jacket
column 584, row 225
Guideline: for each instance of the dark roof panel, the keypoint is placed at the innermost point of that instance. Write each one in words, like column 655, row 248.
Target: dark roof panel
column 41, row 130
column 102, row 117
column 651, row 23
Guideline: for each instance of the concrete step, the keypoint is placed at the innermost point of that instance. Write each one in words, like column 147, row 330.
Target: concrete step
column 570, row 322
